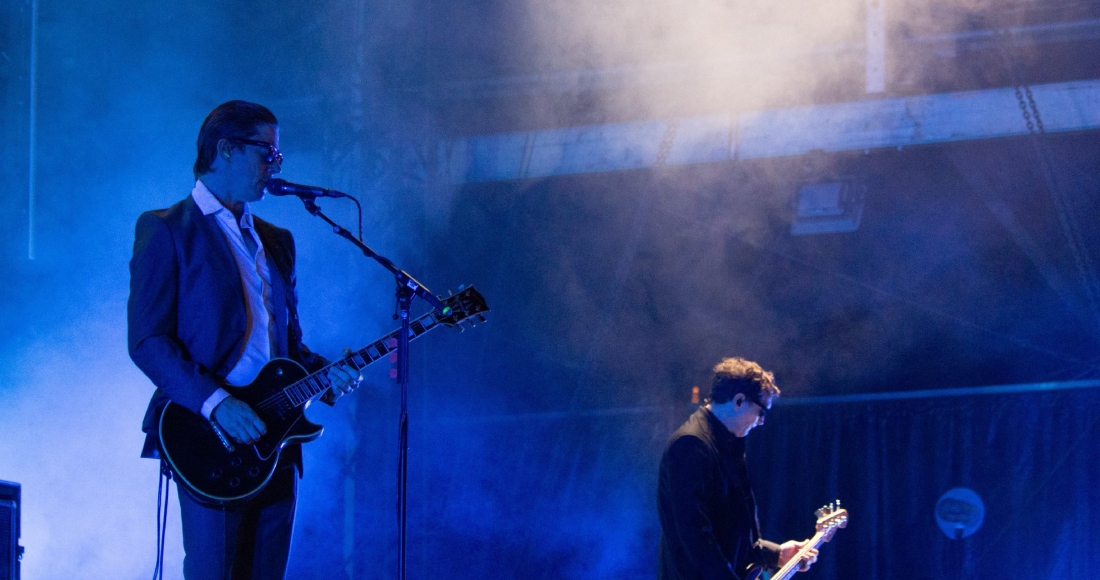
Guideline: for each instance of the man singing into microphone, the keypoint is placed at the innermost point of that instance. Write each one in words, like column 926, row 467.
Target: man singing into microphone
column 212, row 299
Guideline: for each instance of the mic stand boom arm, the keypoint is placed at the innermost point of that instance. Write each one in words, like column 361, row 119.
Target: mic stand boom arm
column 407, row 288
column 404, row 280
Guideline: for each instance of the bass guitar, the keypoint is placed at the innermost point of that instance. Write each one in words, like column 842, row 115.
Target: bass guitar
column 218, row 472
column 830, row 518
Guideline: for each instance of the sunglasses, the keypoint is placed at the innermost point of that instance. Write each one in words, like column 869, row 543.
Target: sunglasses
column 763, row 409
column 273, row 154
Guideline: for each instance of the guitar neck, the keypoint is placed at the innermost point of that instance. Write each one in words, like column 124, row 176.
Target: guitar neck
column 303, row 391
column 791, row 567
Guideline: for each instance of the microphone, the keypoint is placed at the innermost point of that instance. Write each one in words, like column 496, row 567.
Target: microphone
column 283, row 187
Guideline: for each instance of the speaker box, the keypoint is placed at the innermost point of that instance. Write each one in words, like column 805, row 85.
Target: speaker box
column 10, row 551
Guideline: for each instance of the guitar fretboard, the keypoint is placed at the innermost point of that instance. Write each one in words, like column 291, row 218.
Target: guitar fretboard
column 795, row 563
column 303, row 391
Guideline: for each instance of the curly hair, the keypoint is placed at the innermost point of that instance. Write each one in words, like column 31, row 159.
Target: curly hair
column 737, row 375
column 231, row 120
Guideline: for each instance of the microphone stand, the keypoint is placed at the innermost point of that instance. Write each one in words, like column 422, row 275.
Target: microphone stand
column 407, row 289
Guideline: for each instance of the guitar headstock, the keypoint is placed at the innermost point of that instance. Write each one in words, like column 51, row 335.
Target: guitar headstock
column 830, row 518
column 466, row 306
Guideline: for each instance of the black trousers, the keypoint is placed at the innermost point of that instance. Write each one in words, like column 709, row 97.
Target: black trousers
column 249, row 542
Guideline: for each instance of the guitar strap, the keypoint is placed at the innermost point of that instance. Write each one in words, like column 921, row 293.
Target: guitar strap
column 742, row 492
column 281, row 268
column 278, row 264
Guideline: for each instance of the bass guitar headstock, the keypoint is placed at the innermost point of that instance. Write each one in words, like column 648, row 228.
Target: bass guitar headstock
column 830, row 518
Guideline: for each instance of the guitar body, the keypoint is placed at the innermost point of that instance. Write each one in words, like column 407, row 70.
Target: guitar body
column 757, row 573
column 221, row 473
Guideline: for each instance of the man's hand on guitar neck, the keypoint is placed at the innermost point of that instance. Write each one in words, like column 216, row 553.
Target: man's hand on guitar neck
column 790, row 549
column 238, row 420
column 344, row 379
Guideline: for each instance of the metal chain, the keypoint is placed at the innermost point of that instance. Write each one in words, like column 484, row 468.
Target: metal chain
column 1024, row 109
column 1034, row 108
column 1071, row 229
column 666, row 143
column 1028, row 107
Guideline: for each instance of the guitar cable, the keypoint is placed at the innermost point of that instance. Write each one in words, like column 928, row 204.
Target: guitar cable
column 162, row 517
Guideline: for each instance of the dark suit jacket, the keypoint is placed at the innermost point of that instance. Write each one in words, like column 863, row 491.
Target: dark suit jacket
column 186, row 313
column 706, row 505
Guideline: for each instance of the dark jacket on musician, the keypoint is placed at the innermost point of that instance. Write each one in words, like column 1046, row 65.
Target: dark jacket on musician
column 706, row 506
column 187, row 313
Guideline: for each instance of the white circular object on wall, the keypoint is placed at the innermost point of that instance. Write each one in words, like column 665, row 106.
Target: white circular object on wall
column 959, row 512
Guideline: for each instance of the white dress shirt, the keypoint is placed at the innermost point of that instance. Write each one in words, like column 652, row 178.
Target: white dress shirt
column 256, row 279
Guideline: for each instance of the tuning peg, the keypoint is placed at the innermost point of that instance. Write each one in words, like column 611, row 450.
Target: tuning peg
column 461, row 287
column 481, row 318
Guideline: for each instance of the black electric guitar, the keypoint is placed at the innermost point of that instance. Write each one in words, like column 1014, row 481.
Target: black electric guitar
column 218, row 472
column 829, row 519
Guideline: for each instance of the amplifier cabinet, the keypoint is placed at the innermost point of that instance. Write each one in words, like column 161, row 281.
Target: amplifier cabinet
column 10, row 551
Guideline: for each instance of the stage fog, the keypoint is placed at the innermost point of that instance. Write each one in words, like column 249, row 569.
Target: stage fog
column 945, row 337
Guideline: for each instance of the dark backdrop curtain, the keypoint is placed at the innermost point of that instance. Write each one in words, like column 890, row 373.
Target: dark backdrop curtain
column 1032, row 457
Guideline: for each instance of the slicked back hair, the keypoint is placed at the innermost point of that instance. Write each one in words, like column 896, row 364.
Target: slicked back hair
column 231, row 120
